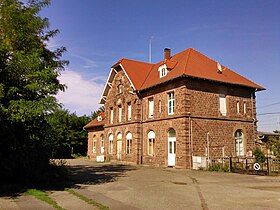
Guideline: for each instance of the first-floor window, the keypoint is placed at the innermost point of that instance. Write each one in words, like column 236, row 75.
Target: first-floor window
column 111, row 137
column 239, row 143
column 151, row 143
column 94, row 144
column 94, row 147
column 223, row 105
column 102, row 144
column 244, row 107
column 128, row 143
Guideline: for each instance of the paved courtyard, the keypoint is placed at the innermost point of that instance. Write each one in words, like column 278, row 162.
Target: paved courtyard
column 143, row 187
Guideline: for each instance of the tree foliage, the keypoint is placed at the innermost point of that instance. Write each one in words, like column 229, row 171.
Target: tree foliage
column 68, row 134
column 28, row 83
column 274, row 144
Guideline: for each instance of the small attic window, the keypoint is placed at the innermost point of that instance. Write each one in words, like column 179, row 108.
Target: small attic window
column 99, row 118
column 162, row 71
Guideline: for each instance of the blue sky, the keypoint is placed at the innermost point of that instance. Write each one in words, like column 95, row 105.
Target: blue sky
column 242, row 35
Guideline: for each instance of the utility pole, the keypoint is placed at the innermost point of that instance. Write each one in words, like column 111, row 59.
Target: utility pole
column 150, row 49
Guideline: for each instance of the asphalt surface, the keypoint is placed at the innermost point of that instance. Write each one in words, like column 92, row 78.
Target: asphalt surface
column 143, row 187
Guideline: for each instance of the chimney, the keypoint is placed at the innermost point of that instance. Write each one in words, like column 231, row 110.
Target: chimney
column 167, row 53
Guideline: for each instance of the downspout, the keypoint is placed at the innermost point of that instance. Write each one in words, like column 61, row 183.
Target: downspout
column 254, row 120
column 141, row 127
column 190, row 139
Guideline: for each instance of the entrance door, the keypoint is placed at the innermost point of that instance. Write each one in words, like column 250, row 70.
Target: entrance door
column 171, row 151
column 119, row 150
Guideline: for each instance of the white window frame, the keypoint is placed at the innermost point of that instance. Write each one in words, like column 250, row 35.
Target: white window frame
column 120, row 113
column 111, row 115
column 111, row 143
column 239, row 143
column 151, row 143
column 102, row 144
column 128, row 143
column 238, row 107
column 244, row 107
column 129, row 111
column 223, row 104
column 94, row 140
column 150, row 107
column 171, row 103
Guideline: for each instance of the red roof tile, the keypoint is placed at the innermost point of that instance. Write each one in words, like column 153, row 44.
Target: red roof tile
column 95, row 122
column 192, row 63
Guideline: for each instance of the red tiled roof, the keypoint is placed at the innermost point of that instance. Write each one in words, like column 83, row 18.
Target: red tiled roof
column 186, row 63
column 137, row 71
column 95, row 122
column 194, row 64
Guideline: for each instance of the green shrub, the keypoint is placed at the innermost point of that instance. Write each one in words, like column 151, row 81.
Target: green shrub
column 219, row 167
column 259, row 155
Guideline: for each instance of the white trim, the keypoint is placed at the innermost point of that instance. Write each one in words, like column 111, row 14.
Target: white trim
column 109, row 81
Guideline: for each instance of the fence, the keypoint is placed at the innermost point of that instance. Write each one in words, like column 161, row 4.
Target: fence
column 246, row 165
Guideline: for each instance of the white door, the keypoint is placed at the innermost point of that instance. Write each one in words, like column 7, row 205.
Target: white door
column 119, row 150
column 171, row 151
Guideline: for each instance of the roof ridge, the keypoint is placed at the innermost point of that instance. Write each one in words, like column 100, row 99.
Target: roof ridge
column 147, row 76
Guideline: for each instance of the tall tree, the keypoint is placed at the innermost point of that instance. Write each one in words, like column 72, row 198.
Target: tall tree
column 28, row 84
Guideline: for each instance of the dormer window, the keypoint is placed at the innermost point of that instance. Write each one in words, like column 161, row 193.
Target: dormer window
column 162, row 70
column 99, row 118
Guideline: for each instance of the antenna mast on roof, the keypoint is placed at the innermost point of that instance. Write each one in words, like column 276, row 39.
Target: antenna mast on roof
column 150, row 49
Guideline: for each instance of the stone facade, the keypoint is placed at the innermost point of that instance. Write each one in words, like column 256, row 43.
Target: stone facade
column 196, row 119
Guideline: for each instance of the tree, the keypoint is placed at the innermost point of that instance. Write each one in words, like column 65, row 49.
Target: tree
column 274, row 144
column 28, row 85
column 68, row 134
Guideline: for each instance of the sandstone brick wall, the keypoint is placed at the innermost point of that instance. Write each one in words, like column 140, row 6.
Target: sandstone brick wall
column 196, row 113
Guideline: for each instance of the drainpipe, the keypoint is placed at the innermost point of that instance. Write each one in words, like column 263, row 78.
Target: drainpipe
column 190, row 139
column 141, row 127
column 254, row 120
column 208, row 148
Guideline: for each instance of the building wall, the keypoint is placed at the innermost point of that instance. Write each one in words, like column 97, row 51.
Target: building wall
column 196, row 113
column 95, row 135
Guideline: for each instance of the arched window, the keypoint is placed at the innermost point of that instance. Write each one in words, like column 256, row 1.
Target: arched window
column 111, row 138
column 94, row 140
column 151, row 143
column 102, row 144
column 239, row 143
column 171, row 133
column 128, row 143
column 119, row 136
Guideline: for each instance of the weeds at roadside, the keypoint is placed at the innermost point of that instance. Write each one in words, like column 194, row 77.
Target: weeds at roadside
column 43, row 196
column 88, row 200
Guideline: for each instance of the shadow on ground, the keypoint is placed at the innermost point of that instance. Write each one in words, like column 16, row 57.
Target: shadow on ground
column 99, row 174
column 78, row 175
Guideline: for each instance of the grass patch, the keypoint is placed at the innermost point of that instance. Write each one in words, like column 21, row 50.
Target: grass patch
column 88, row 200
column 43, row 196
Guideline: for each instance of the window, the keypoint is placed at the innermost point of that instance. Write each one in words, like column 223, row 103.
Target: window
column 94, row 144
column 128, row 143
column 244, row 107
column 120, row 113
column 223, row 108
column 159, row 106
column 162, row 71
column 237, row 107
column 119, row 88
column 111, row 116
column 151, row 143
column 102, row 144
column 171, row 103
column 129, row 111
column 239, row 144
column 111, row 137
column 151, row 107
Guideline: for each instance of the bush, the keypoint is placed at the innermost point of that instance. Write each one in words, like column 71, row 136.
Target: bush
column 219, row 167
column 259, row 155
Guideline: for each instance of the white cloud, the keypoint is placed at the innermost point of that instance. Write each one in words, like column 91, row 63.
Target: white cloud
column 82, row 95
